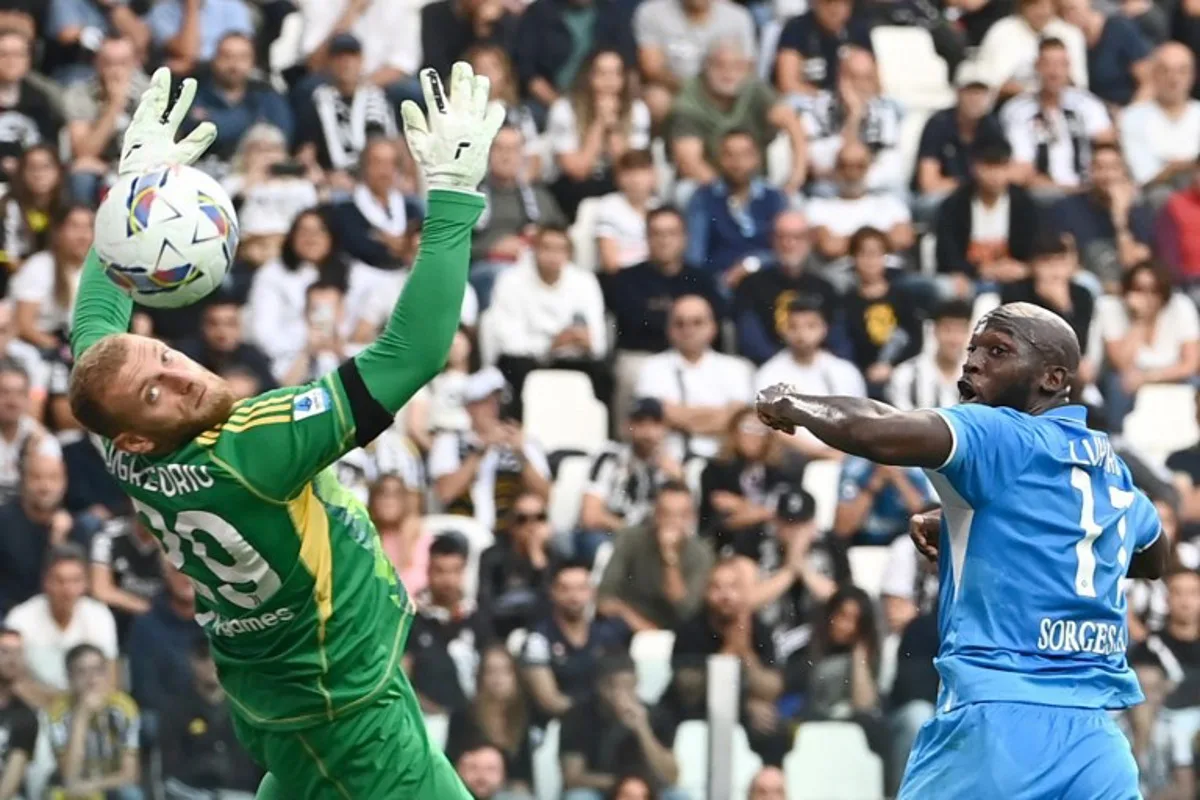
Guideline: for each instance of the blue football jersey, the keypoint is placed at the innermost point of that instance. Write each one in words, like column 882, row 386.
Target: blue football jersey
column 1040, row 521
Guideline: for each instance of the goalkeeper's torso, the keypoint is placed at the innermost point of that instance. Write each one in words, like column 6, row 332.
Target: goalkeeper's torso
column 305, row 614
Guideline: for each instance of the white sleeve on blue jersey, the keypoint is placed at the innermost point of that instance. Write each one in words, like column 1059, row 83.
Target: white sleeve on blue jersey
column 989, row 449
column 1143, row 522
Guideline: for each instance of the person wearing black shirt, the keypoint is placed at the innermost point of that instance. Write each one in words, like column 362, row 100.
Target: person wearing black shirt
column 126, row 570
column 221, row 345
column 449, row 28
column 881, row 320
column 27, row 115
column 200, row 752
column 18, row 722
column 612, row 734
column 561, row 653
column 448, row 632
column 30, row 524
column 810, row 46
column 514, row 572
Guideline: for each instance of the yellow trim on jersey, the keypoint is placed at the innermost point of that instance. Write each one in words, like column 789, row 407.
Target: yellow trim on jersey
column 265, row 411
column 312, row 526
column 322, row 768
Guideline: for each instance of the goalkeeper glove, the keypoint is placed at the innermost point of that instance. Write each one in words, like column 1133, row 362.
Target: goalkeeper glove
column 150, row 138
column 451, row 144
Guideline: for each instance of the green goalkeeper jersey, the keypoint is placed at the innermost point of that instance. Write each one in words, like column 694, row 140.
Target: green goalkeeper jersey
column 306, row 617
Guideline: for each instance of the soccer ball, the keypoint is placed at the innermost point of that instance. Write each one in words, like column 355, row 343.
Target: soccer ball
column 167, row 237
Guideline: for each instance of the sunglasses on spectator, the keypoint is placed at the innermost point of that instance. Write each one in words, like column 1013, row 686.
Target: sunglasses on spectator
column 525, row 519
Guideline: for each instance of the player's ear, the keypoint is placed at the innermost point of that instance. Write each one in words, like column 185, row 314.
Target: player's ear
column 133, row 443
column 1055, row 380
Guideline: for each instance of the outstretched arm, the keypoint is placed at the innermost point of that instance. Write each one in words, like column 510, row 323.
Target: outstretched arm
column 861, row 427
column 102, row 309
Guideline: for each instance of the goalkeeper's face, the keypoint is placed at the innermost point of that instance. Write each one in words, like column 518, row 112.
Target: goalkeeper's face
column 161, row 398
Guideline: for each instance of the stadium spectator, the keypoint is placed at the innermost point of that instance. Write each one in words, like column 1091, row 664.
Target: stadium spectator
column 450, row 29
column 810, row 46
column 550, row 314
column 621, row 215
column 835, row 219
column 788, row 272
column 768, row 784
column 913, row 692
column 518, row 202
column 725, row 624
column 856, row 110
column 324, row 345
column 725, row 96
column 494, row 63
column 1157, row 132
column 1108, row 226
column 623, row 478
column 930, row 378
column 655, row 577
column 1151, row 334
column 613, row 733
column 228, row 97
column 373, row 225
column 200, row 751
column 1118, row 55
column 554, row 40
column 1053, row 126
column 17, row 720
column 875, row 502
column 806, row 362
column 32, row 523
column 221, row 346
column 730, row 219
column 36, row 194
column 188, row 32
column 739, row 487
column 44, row 287
column 514, row 573
column 94, row 731
column 1012, row 46
column 632, row 787
column 480, row 472
column 481, row 768
column 389, row 36
column 30, row 113
column 563, row 649
column 126, row 570
column 675, row 36
column 98, row 111
column 591, row 127
column 396, row 512
column 21, row 435
column 25, row 355
column 499, row 715
column 880, row 313
column 76, row 31
column 842, row 681
column 161, row 641
column 448, row 632
column 334, row 123
column 986, row 227
column 439, row 405
column 1177, row 233
column 949, row 137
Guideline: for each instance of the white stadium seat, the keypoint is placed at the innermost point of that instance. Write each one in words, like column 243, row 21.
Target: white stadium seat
column 479, row 538
column 562, row 412
column 691, row 753
column 821, row 481
column 831, row 761
column 910, row 69
column 547, row 774
column 1162, row 421
column 651, row 652
column 867, row 565
column 583, row 234
column 566, row 495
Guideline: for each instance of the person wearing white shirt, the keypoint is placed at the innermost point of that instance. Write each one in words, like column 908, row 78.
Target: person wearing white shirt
column 390, row 32
column 1052, row 129
column 621, row 216
column 550, row 315
column 807, row 365
column 60, row 618
column 700, row 390
column 835, row 219
column 930, row 379
column 45, row 285
column 20, row 434
column 1160, row 138
column 1009, row 50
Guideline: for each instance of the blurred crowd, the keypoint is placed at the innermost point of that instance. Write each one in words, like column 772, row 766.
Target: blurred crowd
column 691, row 200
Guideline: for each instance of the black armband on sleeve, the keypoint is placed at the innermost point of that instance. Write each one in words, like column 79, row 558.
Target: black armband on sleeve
column 370, row 417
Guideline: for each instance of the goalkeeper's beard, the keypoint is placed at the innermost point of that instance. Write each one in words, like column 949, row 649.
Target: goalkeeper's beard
column 215, row 408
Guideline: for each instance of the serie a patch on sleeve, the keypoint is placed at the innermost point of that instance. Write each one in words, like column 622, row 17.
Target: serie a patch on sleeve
column 309, row 404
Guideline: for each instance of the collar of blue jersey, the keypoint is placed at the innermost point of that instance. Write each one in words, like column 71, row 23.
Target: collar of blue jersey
column 1075, row 413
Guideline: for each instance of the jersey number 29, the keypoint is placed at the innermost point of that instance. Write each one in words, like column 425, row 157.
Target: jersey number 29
column 1085, row 554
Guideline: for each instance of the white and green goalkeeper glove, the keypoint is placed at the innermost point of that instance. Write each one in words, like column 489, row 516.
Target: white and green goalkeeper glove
column 451, row 140
column 150, row 138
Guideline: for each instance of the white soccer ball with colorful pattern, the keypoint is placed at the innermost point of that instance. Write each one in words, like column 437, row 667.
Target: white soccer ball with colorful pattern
column 166, row 237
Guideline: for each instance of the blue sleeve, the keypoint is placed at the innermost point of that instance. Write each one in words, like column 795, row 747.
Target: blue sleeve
column 989, row 450
column 1144, row 523
column 163, row 20
column 1141, row 223
column 697, row 230
column 854, row 476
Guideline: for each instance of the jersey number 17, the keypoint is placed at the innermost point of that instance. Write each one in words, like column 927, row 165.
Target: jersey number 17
column 1085, row 555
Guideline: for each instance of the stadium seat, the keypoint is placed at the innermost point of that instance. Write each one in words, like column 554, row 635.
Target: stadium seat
column 821, row 481
column 562, row 412
column 600, row 562
column 867, row 565
column 910, row 70
column 583, row 234
column 831, row 761
column 692, row 754
column 547, row 774
column 651, row 652
column 479, row 538
column 488, row 338
column 566, row 495
column 779, row 160
column 438, row 728
column 1162, row 421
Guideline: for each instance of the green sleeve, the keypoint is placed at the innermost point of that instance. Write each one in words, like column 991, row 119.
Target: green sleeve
column 101, row 308
column 414, row 344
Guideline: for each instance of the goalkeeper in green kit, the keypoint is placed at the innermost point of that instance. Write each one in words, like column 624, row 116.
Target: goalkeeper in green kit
column 305, row 614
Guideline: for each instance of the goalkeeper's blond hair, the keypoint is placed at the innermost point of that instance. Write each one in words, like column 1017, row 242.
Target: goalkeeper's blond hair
column 97, row 368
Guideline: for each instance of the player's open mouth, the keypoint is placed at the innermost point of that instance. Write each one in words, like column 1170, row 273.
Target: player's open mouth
column 966, row 392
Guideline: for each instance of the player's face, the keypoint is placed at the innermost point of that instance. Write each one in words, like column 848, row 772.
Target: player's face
column 637, row 183
column 692, row 327
column 1183, row 597
column 1107, row 169
column 997, row 371
column 870, row 262
column 311, row 239
column 507, row 156
column 379, row 166
column 388, row 501
column 832, row 14
column 792, row 244
column 674, row 510
column 165, row 397
column 14, row 57
column 571, row 593
column 615, row 688
column 14, row 397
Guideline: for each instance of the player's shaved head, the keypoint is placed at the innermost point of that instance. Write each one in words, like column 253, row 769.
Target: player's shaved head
column 1048, row 334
